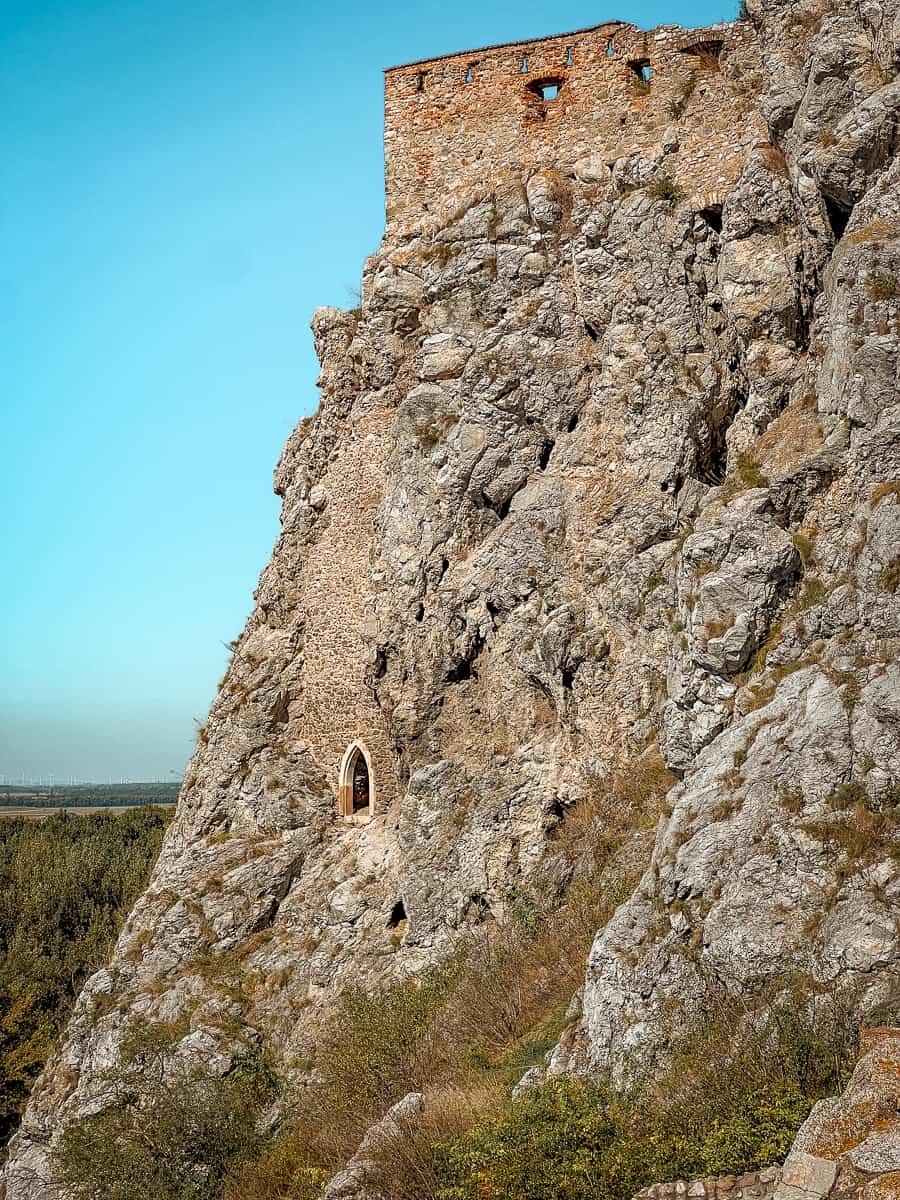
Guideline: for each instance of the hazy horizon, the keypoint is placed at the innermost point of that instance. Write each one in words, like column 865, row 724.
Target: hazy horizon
column 186, row 183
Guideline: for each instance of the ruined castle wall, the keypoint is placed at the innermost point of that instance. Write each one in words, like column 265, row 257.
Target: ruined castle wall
column 459, row 119
column 755, row 1185
column 338, row 706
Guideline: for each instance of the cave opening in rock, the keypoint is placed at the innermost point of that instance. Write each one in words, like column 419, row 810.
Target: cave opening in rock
column 838, row 217
column 397, row 919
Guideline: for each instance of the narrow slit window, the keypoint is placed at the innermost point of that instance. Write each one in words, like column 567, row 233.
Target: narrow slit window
column 420, row 81
column 523, row 69
column 470, row 73
column 569, row 57
column 610, row 49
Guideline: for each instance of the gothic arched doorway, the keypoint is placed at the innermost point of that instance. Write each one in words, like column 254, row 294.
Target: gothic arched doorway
column 356, row 785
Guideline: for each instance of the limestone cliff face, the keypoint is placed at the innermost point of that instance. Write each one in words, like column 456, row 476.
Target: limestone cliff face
column 783, row 752
column 594, row 467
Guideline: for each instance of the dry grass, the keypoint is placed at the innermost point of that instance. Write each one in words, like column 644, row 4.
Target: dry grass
column 715, row 629
column 882, row 285
column 750, row 471
column 774, row 159
column 792, row 436
column 704, row 566
column 881, row 492
column 467, row 1030
column 875, row 231
column 863, row 831
column 678, row 105
column 889, row 579
column 410, row 1166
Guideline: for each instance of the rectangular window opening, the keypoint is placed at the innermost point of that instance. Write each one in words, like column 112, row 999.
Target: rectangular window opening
column 705, row 54
column 642, row 71
column 545, row 89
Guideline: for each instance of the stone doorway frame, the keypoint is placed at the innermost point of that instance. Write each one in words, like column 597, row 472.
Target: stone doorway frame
column 345, row 783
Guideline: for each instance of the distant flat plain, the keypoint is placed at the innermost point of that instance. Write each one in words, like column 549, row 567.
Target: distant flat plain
column 39, row 813
column 83, row 798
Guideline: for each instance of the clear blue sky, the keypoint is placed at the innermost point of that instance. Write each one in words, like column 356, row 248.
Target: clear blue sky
column 183, row 182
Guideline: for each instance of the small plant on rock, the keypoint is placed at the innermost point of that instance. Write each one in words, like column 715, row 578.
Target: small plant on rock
column 889, row 579
column 750, row 471
column 665, row 188
column 883, row 285
column 678, row 105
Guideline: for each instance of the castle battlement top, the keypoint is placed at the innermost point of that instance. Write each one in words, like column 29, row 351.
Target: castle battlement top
column 605, row 90
column 521, row 42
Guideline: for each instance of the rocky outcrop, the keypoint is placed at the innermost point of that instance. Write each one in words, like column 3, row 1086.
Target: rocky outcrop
column 780, row 854
column 849, row 1148
column 357, row 1181
column 592, row 468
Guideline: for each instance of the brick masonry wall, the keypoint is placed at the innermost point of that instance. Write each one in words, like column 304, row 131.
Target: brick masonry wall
column 338, row 706
column 462, row 118
column 757, row 1185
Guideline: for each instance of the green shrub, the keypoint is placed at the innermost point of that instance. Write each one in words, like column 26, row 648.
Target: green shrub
column 66, row 884
column 171, row 1132
column 882, row 285
column 378, row 1048
column 571, row 1139
column 283, row 1171
column 551, row 1141
column 665, row 188
column 724, row 1105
